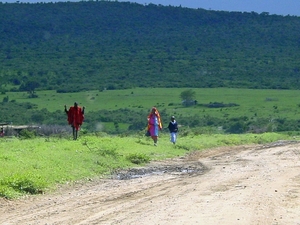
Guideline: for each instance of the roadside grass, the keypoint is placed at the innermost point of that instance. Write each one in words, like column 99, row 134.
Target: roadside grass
column 253, row 103
column 34, row 166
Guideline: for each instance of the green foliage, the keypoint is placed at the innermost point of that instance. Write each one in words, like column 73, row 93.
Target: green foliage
column 27, row 134
column 188, row 97
column 29, row 86
column 138, row 158
column 37, row 165
column 125, row 111
column 79, row 46
column 5, row 99
column 111, row 151
column 202, row 50
column 21, row 184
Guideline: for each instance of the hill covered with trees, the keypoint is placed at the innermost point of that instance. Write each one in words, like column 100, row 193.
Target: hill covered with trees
column 73, row 46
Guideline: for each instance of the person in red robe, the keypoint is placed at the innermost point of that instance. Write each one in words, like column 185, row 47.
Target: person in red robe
column 75, row 118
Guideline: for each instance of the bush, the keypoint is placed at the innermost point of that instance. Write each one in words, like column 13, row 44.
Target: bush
column 15, row 185
column 27, row 134
column 137, row 158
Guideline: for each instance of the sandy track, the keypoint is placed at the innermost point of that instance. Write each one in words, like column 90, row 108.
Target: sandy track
column 240, row 185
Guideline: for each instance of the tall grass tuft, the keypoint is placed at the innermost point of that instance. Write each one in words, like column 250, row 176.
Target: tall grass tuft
column 19, row 184
column 138, row 158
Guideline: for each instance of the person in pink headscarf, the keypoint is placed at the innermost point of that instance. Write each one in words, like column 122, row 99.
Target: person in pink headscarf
column 154, row 124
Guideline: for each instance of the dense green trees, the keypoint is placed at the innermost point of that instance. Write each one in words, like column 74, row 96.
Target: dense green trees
column 74, row 46
column 71, row 46
column 26, row 113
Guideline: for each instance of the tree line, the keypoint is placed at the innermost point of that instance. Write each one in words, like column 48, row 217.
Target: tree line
column 108, row 45
column 75, row 46
column 27, row 113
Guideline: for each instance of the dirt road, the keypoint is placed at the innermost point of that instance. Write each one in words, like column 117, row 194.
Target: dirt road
column 255, row 185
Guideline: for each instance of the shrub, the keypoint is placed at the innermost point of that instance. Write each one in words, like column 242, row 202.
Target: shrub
column 138, row 158
column 15, row 185
column 27, row 134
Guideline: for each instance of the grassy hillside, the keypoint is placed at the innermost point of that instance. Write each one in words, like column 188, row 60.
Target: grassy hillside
column 99, row 45
column 119, row 111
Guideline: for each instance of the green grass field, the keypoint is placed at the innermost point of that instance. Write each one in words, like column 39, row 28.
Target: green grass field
column 37, row 165
column 34, row 166
column 261, row 103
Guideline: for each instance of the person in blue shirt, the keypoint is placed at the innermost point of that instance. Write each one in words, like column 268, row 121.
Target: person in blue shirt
column 173, row 128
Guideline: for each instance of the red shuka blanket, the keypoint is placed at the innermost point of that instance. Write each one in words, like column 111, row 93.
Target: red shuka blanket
column 75, row 117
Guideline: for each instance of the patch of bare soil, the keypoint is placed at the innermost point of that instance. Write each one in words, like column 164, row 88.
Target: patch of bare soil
column 229, row 185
